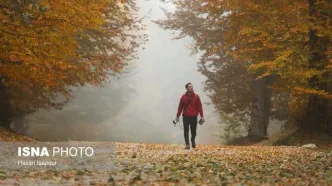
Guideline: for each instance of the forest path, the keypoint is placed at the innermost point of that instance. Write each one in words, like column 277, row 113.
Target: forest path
column 162, row 164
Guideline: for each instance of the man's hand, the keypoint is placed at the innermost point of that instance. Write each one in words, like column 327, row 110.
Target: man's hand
column 175, row 121
column 201, row 121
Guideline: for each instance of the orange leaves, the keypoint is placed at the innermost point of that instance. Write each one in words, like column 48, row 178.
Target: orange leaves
column 301, row 90
column 13, row 58
column 329, row 65
column 49, row 49
column 34, row 69
column 161, row 164
column 273, row 37
column 214, row 50
column 266, row 65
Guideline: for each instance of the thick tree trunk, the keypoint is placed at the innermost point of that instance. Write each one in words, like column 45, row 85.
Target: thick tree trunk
column 329, row 122
column 4, row 107
column 19, row 122
column 7, row 117
column 319, row 108
column 261, row 103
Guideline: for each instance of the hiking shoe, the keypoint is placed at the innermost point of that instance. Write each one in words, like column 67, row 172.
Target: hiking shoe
column 187, row 147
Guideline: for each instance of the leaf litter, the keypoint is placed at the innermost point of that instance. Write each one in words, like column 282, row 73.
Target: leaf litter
column 161, row 164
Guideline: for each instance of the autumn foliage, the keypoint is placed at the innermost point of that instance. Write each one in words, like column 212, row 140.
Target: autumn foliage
column 274, row 37
column 47, row 46
column 250, row 39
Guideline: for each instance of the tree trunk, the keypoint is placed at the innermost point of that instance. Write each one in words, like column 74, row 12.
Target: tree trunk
column 261, row 103
column 318, row 107
column 329, row 122
column 7, row 117
column 19, row 122
column 4, row 107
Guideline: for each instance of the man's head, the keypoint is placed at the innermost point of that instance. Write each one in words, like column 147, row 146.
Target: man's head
column 189, row 87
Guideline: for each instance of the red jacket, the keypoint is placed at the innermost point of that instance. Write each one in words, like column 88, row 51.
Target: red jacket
column 190, row 108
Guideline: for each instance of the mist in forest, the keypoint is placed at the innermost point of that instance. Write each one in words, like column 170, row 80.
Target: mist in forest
column 139, row 104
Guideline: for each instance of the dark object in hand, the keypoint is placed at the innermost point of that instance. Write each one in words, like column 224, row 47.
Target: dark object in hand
column 174, row 122
column 201, row 121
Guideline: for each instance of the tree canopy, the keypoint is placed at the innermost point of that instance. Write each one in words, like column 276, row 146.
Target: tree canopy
column 47, row 46
column 246, row 40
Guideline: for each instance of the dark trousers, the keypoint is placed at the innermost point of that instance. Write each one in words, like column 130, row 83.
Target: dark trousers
column 189, row 121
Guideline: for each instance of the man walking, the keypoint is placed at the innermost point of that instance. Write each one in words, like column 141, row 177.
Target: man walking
column 190, row 104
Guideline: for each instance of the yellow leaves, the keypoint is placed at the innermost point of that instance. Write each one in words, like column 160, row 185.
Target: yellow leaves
column 273, row 37
column 214, row 165
column 214, row 50
column 284, row 56
column 309, row 91
column 69, row 174
column 8, row 136
column 45, row 50
column 247, row 31
column 266, row 65
column 161, row 164
column 34, row 69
